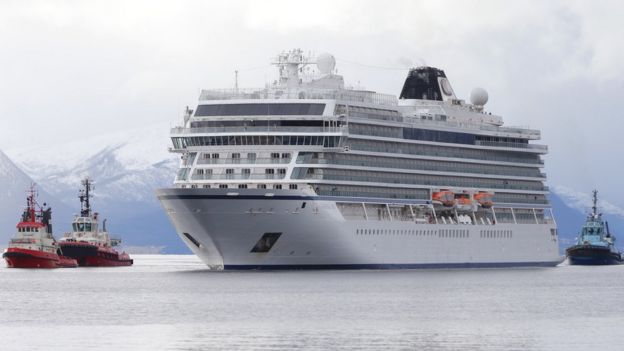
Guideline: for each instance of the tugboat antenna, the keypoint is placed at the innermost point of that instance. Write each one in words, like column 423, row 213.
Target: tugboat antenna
column 83, row 195
column 595, row 201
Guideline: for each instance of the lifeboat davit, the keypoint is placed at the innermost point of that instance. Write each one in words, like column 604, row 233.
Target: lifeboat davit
column 444, row 197
column 484, row 199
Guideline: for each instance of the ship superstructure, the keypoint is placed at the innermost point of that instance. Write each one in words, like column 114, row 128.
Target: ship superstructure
column 308, row 173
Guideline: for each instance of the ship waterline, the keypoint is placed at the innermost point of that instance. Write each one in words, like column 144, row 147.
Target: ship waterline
column 308, row 173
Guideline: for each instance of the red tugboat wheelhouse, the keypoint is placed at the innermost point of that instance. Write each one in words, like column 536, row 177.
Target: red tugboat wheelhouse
column 86, row 243
column 34, row 246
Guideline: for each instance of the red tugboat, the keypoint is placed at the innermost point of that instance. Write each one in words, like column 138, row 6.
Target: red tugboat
column 34, row 246
column 86, row 243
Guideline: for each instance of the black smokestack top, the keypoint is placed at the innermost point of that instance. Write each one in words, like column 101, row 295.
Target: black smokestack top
column 422, row 84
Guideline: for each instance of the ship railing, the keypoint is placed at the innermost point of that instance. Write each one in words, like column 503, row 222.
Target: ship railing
column 522, row 131
column 376, row 148
column 512, row 145
column 431, row 182
column 407, row 166
column 430, row 214
column 299, row 93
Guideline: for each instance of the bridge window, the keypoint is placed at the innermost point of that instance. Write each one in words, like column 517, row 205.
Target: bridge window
column 259, row 109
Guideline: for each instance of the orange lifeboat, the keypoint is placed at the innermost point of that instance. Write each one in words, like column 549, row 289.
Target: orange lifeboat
column 444, row 197
column 463, row 202
column 484, row 199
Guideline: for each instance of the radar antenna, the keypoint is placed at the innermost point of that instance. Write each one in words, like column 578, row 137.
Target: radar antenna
column 236, row 81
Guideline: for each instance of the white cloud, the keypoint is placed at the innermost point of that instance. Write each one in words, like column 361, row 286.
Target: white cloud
column 76, row 68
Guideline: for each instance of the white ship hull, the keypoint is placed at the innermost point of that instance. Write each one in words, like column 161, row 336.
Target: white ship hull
column 222, row 227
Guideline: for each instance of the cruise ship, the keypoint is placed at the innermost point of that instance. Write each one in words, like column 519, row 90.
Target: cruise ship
column 309, row 173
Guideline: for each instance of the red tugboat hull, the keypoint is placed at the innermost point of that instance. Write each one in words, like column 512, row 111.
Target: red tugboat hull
column 24, row 258
column 67, row 262
column 89, row 255
column 104, row 260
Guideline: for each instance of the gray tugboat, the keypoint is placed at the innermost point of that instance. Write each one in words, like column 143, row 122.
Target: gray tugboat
column 595, row 244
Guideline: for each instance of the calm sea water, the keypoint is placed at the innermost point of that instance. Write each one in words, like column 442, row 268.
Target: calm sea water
column 173, row 303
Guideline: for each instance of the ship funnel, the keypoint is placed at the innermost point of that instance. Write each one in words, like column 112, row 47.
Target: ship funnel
column 427, row 83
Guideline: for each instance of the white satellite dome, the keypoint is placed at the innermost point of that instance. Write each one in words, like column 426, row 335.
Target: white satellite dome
column 325, row 63
column 478, row 96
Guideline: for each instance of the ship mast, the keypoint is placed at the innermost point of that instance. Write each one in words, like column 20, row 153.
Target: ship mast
column 29, row 214
column 84, row 196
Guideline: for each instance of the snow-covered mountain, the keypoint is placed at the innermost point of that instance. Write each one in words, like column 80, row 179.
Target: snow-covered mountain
column 13, row 183
column 126, row 166
column 13, row 186
column 571, row 208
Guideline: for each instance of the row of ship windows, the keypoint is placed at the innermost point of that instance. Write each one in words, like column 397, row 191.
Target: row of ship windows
column 415, row 164
column 262, row 123
column 443, row 151
column 430, row 135
column 370, row 191
column 255, row 140
column 250, row 155
column 260, row 109
column 368, row 112
column 496, row 234
column 239, row 186
column 27, row 230
column 396, row 232
column 243, row 171
column 441, row 233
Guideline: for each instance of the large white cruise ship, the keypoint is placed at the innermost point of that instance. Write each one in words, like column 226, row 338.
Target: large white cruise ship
column 306, row 173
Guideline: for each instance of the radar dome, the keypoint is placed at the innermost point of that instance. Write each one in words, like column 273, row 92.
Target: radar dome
column 325, row 63
column 478, row 96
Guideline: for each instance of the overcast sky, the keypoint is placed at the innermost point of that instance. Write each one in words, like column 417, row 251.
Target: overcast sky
column 71, row 69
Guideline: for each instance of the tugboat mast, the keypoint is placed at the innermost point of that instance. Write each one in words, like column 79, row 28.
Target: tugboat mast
column 84, row 196
column 595, row 202
column 29, row 214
